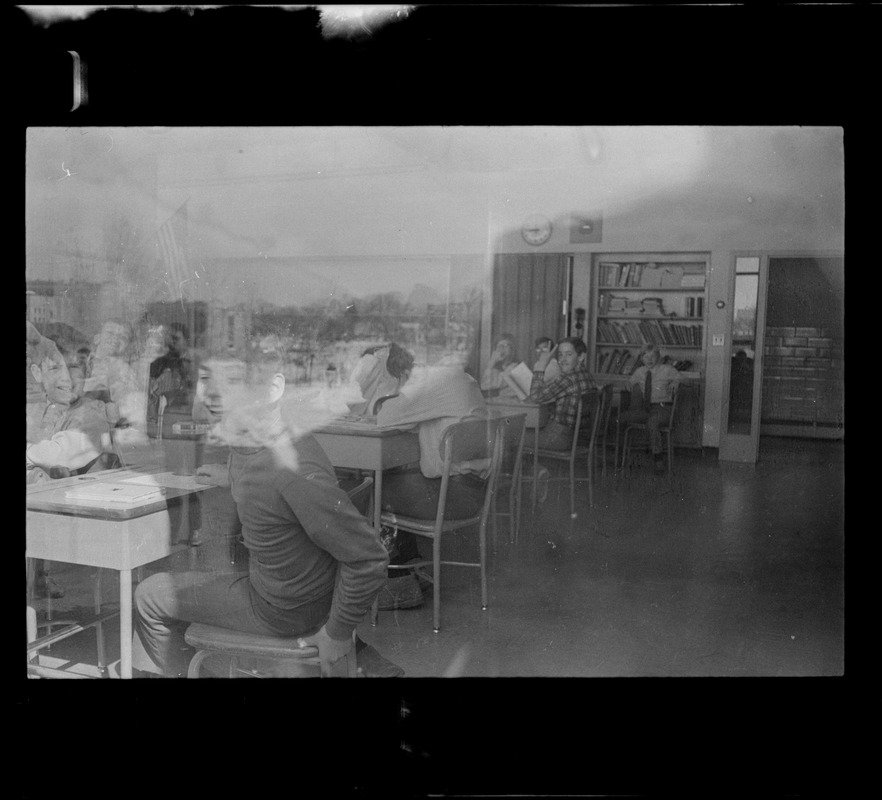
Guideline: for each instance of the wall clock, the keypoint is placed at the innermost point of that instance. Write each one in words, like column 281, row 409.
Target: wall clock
column 536, row 229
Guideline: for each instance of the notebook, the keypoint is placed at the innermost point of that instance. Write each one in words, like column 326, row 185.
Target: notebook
column 115, row 493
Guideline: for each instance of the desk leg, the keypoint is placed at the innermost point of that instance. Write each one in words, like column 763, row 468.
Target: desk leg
column 378, row 493
column 125, row 623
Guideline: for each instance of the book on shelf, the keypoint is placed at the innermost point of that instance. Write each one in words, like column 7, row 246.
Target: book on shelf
column 693, row 280
column 626, row 362
column 609, row 274
column 699, row 307
column 671, row 277
column 617, row 363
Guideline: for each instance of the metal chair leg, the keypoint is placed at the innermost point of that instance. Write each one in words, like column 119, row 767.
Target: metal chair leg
column 436, row 583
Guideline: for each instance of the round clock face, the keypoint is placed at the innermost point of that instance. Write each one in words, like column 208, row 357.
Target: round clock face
column 536, row 229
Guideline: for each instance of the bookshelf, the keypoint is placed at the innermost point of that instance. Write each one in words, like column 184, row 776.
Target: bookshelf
column 659, row 298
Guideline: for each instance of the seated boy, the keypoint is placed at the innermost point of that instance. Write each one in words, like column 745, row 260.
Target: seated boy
column 315, row 563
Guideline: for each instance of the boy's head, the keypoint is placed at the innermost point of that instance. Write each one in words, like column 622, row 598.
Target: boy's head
column 543, row 344
column 231, row 385
column 47, row 373
column 177, row 337
column 650, row 356
column 505, row 346
column 114, row 338
column 570, row 352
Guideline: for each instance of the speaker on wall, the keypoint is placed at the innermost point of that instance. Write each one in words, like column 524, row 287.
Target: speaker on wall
column 586, row 228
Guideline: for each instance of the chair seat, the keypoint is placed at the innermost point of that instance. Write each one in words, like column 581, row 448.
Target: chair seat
column 223, row 640
column 426, row 526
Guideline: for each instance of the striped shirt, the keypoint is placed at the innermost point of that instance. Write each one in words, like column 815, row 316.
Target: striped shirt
column 564, row 391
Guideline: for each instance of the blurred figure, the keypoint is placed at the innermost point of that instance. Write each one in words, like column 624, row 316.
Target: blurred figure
column 64, row 432
column 110, row 377
column 171, row 382
column 379, row 373
column 545, row 344
column 502, row 361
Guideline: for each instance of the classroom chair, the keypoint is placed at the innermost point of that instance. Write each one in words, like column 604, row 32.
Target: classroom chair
column 666, row 431
column 277, row 652
column 509, row 480
column 591, row 402
column 601, row 437
column 468, row 440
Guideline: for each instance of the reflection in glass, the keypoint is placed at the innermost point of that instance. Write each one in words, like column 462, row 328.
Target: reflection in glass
column 741, row 376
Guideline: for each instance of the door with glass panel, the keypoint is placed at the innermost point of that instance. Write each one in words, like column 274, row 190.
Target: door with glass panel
column 742, row 391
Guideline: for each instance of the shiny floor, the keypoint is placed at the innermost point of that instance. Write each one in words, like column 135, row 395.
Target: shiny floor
column 720, row 570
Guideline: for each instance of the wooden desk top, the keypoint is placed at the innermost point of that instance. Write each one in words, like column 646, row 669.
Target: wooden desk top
column 50, row 497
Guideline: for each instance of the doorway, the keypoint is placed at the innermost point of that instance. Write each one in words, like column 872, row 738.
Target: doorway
column 803, row 389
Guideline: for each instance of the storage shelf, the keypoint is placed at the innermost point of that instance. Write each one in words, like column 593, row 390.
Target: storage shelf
column 689, row 300
column 641, row 317
column 641, row 344
column 683, row 289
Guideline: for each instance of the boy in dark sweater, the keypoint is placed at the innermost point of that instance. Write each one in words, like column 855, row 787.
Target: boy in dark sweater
column 315, row 564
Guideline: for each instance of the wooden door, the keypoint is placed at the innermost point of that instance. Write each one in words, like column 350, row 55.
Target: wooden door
column 530, row 291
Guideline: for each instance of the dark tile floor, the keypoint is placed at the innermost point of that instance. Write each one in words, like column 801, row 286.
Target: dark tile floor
column 719, row 571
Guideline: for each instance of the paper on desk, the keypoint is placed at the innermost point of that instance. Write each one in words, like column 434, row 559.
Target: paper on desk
column 165, row 479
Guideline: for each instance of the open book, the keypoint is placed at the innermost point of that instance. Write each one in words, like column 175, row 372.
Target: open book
column 519, row 379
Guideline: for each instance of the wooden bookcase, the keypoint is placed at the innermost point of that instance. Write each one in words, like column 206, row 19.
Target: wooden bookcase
column 652, row 297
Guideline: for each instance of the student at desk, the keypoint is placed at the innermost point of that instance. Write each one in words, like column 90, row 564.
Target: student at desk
column 379, row 374
column 315, row 563
column 64, row 431
column 502, row 361
column 434, row 399
column 564, row 391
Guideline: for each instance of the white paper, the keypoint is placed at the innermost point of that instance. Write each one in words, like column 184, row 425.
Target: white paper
column 520, row 379
column 166, row 480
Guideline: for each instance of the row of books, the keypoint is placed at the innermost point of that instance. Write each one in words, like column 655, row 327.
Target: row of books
column 610, row 304
column 649, row 275
column 617, row 362
column 649, row 331
column 694, row 306
column 624, row 362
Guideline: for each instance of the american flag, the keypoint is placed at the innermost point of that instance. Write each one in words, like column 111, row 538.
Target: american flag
column 172, row 239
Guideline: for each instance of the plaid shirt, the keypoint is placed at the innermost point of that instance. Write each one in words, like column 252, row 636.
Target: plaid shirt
column 564, row 391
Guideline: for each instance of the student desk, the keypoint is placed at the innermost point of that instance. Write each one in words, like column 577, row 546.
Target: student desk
column 536, row 415
column 120, row 537
column 364, row 445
